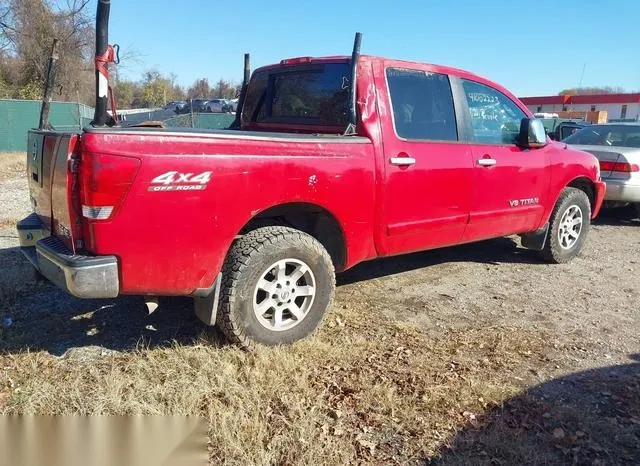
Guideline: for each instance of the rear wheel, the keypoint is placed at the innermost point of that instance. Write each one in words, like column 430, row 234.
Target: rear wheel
column 569, row 226
column 278, row 283
column 637, row 205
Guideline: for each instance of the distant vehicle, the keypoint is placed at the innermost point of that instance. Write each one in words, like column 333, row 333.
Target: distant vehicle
column 560, row 128
column 545, row 115
column 233, row 103
column 194, row 105
column 216, row 106
column 617, row 147
column 567, row 128
column 175, row 105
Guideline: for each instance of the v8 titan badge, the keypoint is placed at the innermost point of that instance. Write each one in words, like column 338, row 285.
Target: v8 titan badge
column 176, row 181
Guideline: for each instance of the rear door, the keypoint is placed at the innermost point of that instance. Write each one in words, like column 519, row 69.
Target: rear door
column 510, row 183
column 427, row 172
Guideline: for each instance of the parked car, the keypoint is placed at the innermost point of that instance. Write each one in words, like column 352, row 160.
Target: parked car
column 175, row 105
column 233, row 105
column 567, row 128
column 331, row 162
column 216, row 106
column 194, row 105
column 560, row 128
column 617, row 147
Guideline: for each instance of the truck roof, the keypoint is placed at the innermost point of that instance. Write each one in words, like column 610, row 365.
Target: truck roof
column 393, row 62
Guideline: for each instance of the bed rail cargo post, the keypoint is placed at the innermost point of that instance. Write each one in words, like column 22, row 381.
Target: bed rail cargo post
column 355, row 55
column 243, row 91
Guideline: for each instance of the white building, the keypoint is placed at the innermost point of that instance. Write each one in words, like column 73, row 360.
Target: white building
column 618, row 106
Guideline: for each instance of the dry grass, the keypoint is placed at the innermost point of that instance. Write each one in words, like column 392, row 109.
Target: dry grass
column 366, row 389
column 8, row 222
column 12, row 164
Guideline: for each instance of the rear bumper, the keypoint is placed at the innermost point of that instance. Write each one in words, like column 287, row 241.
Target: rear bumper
column 601, row 189
column 79, row 275
column 622, row 190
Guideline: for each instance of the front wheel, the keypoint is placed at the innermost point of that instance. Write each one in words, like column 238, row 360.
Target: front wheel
column 277, row 284
column 569, row 226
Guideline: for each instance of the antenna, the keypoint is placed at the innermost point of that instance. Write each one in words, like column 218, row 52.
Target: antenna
column 584, row 67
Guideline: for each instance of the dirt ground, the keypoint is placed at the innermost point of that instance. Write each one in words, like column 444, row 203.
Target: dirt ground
column 479, row 354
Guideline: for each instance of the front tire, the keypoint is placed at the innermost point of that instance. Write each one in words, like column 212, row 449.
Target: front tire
column 569, row 225
column 278, row 283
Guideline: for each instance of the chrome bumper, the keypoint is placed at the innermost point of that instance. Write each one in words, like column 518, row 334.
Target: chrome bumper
column 80, row 276
column 622, row 190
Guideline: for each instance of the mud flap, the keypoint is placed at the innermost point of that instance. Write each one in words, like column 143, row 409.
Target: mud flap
column 206, row 306
column 535, row 240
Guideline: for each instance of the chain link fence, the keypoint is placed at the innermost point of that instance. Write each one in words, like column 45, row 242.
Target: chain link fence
column 19, row 116
column 201, row 121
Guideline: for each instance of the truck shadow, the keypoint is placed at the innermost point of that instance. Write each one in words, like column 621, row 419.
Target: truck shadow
column 35, row 315
column 590, row 417
column 495, row 251
column 621, row 216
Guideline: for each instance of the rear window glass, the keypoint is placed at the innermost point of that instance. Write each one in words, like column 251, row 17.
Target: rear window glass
column 609, row 135
column 302, row 94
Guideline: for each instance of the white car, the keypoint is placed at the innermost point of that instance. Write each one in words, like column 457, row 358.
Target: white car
column 617, row 147
column 217, row 106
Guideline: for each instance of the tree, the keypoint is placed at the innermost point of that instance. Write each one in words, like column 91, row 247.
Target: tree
column 224, row 90
column 125, row 92
column 158, row 89
column 592, row 90
column 200, row 89
column 27, row 30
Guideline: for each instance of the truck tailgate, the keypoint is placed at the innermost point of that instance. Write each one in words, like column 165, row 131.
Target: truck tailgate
column 52, row 185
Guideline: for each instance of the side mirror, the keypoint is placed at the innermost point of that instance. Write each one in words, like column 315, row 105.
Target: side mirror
column 532, row 133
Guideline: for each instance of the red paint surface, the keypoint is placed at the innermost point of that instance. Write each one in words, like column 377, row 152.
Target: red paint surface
column 174, row 242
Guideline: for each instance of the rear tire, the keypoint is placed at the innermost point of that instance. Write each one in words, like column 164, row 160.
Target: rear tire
column 569, row 225
column 277, row 284
column 637, row 205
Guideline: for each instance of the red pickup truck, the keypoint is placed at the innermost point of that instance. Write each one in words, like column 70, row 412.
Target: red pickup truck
column 253, row 221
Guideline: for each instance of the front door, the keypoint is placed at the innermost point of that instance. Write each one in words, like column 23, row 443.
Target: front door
column 428, row 173
column 510, row 183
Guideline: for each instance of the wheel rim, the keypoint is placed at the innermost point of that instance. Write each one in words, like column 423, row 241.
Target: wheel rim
column 570, row 227
column 284, row 294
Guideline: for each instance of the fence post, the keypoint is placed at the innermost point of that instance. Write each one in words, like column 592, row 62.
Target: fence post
column 48, row 86
column 79, row 111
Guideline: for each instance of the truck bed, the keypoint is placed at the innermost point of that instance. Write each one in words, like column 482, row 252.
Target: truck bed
column 232, row 134
column 189, row 194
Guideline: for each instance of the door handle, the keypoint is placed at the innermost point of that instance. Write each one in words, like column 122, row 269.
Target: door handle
column 487, row 162
column 402, row 161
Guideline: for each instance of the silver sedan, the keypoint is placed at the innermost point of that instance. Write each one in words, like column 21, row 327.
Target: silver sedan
column 617, row 147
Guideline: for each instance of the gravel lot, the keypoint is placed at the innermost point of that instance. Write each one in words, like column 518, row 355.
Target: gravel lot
column 586, row 313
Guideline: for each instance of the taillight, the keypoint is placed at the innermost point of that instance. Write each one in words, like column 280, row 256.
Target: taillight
column 623, row 167
column 105, row 181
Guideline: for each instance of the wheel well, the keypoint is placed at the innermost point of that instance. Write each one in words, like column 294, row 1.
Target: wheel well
column 585, row 184
column 311, row 219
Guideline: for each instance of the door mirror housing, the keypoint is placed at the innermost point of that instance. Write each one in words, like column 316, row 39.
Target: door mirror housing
column 532, row 133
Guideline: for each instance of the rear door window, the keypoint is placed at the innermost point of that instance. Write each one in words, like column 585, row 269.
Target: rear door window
column 495, row 118
column 422, row 105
